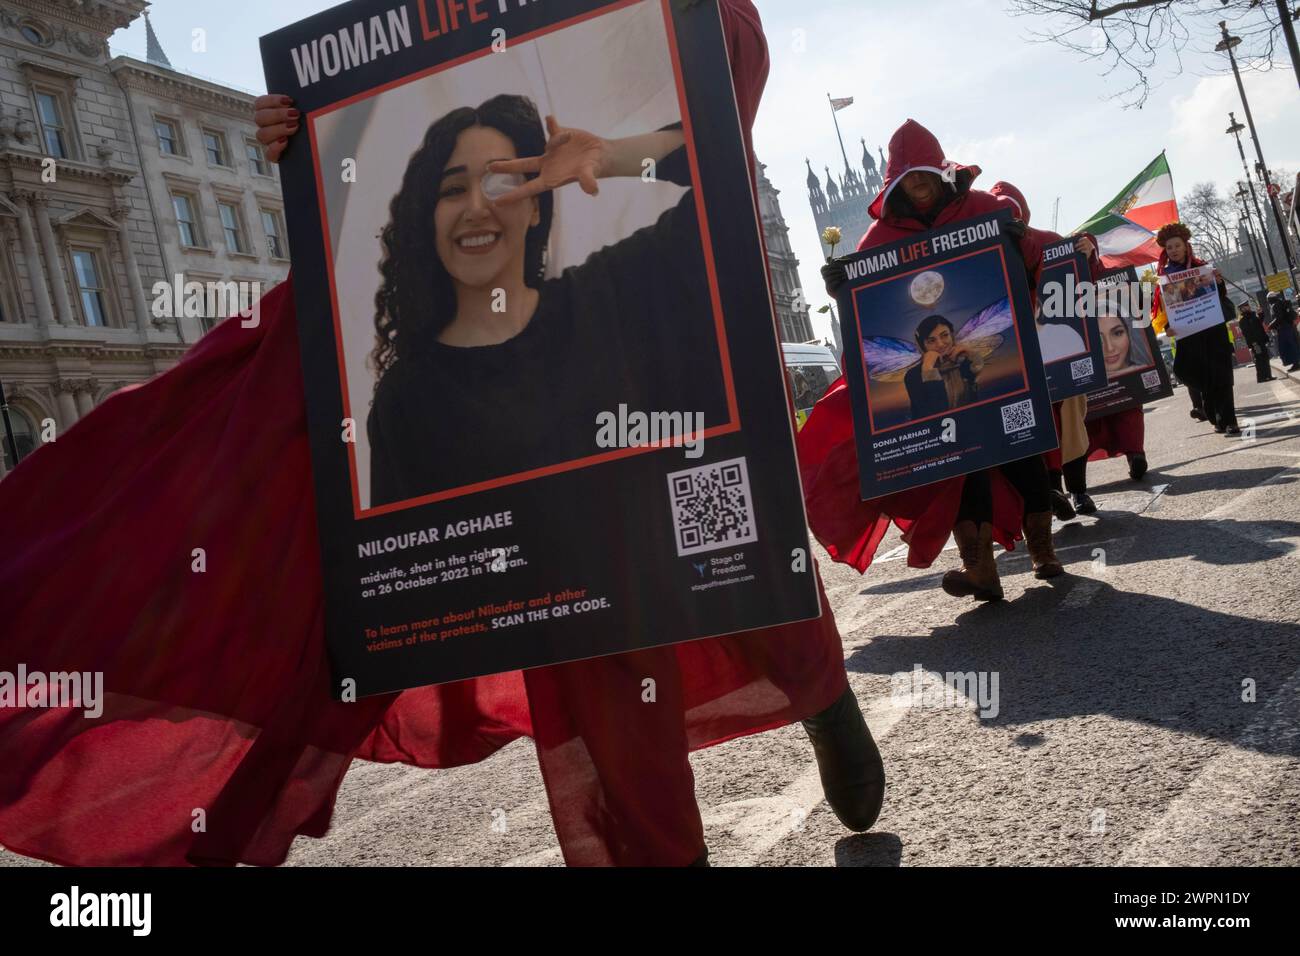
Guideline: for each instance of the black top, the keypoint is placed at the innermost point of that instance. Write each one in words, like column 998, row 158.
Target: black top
column 1253, row 329
column 610, row 331
column 931, row 398
column 1281, row 312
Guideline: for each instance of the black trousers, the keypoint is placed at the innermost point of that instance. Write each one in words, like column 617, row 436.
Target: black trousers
column 1028, row 476
column 1263, row 371
column 1220, row 407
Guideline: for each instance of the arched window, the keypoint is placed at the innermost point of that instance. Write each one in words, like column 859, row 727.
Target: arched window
column 32, row 35
column 24, row 437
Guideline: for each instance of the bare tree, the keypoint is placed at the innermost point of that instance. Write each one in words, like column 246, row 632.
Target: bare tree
column 1212, row 219
column 1131, row 38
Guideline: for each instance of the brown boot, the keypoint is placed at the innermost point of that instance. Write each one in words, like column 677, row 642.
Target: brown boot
column 978, row 577
column 1038, row 539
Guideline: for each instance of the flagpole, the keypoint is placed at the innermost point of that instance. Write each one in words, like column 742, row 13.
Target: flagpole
column 836, row 120
column 1250, row 234
column 1235, row 129
column 1227, row 43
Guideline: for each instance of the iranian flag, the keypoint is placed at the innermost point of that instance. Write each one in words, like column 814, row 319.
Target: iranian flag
column 1126, row 227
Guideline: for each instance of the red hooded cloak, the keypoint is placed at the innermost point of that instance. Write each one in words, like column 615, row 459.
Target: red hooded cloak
column 849, row 528
column 217, row 683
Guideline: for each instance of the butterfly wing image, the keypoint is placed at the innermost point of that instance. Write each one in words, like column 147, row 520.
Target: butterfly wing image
column 983, row 332
column 888, row 359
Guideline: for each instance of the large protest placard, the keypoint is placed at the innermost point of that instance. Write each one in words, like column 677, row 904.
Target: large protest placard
column 1067, row 324
column 1191, row 300
column 543, row 380
column 942, row 357
column 1135, row 371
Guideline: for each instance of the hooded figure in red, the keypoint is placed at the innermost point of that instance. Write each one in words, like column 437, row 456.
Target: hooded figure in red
column 1067, row 465
column 216, row 687
column 923, row 191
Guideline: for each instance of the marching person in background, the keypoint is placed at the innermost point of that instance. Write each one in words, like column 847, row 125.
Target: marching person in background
column 1257, row 338
column 923, row 191
column 1069, row 463
column 1203, row 360
column 1281, row 321
column 1120, row 433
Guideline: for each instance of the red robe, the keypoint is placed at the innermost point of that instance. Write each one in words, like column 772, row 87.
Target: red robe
column 849, row 528
column 1046, row 237
column 217, row 683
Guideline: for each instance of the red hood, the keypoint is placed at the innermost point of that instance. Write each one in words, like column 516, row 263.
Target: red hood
column 1004, row 190
column 912, row 147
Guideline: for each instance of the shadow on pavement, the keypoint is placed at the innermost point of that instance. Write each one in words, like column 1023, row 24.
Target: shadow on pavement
column 1136, row 657
column 1238, row 479
column 869, row 849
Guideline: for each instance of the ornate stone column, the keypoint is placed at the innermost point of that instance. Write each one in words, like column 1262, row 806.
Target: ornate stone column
column 143, row 313
column 64, row 392
column 86, row 397
column 35, row 269
column 54, row 261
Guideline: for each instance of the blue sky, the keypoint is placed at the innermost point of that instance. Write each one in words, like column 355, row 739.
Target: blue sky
column 1030, row 113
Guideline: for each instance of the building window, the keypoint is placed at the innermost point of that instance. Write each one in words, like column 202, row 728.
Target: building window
column 32, row 35
column 52, row 112
column 90, row 287
column 274, row 234
column 214, row 144
column 233, row 226
column 24, row 437
column 169, row 140
column 191, row 231
column 256, row 158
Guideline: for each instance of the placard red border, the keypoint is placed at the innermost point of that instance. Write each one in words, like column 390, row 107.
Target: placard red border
column 733, row 424
column 866, row 372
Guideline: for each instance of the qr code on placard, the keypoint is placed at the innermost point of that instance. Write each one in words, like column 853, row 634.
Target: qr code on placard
column 1081, row 368
column 712, row 507
column 1018, row 417
column 1151, row 379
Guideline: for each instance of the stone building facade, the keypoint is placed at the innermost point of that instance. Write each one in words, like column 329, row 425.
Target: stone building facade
column 791, row 304
column 116, row 174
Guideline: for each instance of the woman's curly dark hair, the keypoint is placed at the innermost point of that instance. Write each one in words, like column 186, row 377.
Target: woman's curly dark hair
column 416, row 297
column 1173, row 230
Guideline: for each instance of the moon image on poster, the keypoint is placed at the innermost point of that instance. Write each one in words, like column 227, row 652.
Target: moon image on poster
column 927, row 289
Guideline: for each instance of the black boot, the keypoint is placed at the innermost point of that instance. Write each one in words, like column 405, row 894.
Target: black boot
column 1137, row 466
column 1061, row 506
column 853, row 775
column 1084, row 504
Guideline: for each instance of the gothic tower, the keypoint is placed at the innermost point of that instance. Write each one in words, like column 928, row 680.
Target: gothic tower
column 791, row 309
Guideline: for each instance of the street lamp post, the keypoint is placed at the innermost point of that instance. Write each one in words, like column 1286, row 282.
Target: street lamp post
column 1235, row 130
column 1226, row 45
column 835, row 321
column 1250, row 233
column 1288, row 31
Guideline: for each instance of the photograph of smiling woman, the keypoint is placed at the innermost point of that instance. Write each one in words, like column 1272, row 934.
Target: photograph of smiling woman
column 484, row 367
column 1124, row 348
